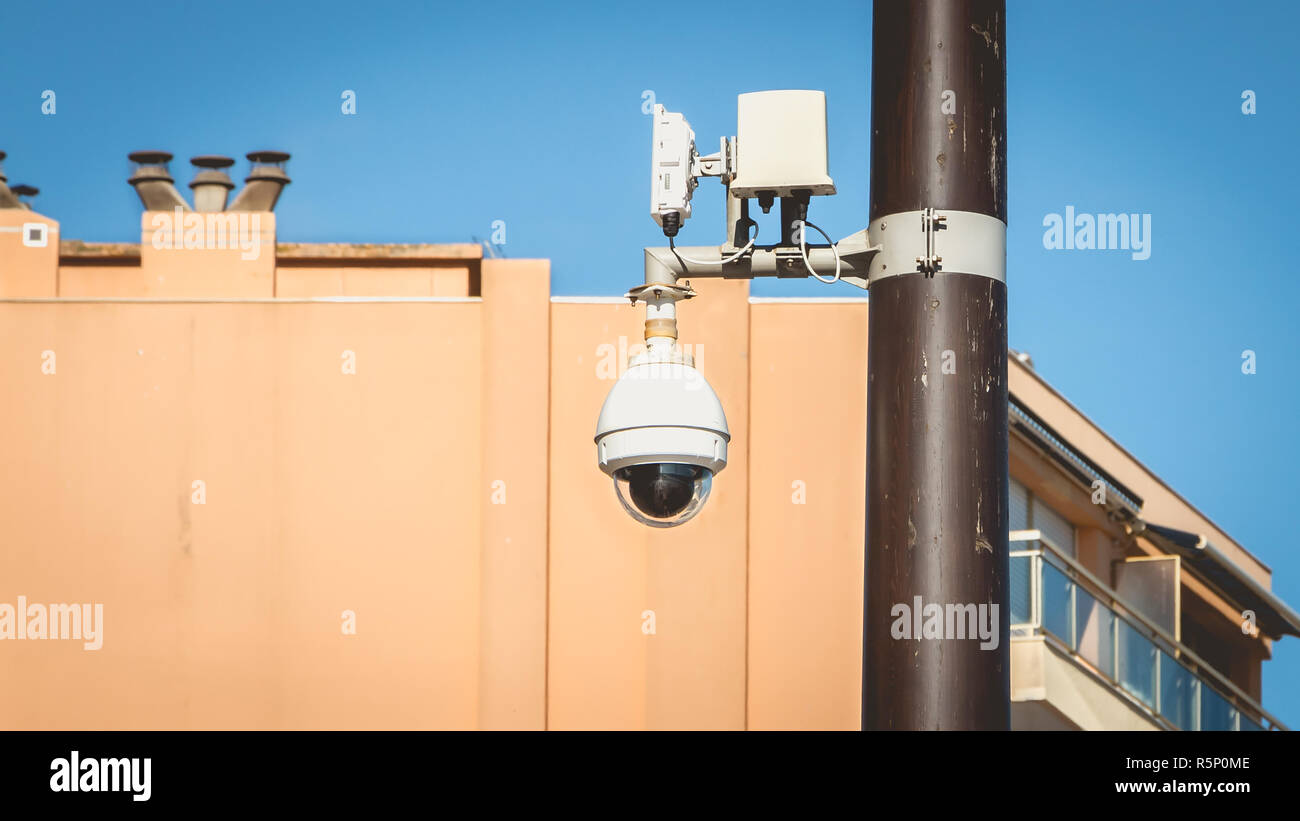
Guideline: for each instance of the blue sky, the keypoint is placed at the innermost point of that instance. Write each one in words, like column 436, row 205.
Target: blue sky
column 531, row 113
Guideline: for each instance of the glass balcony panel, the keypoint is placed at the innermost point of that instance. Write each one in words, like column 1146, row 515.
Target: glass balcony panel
column 1137, row 664
column 1094, row 629
column 1216, row 712
column 1056, row 602
column 1122, row 651
column 1177, row 693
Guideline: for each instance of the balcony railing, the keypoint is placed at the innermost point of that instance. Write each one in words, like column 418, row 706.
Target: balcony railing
column 1053, row 595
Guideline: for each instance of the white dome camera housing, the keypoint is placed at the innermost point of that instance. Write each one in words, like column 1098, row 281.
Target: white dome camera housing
column 662, row 435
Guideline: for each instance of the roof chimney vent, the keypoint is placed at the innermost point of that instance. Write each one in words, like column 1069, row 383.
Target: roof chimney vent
column 153, row 183
column 212, row 184
column 25, row 191
column 266, row 179
column 7, row 198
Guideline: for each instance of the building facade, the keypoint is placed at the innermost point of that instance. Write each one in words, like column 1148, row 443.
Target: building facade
column 354, row 486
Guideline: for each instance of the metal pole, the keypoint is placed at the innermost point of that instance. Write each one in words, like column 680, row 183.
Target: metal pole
column 937, row 371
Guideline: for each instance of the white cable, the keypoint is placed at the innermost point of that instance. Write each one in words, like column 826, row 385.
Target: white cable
column 803, row 252
column 731, row 258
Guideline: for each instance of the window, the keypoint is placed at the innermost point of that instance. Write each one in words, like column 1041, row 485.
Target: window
column 1019, row 506
column 1029, row 513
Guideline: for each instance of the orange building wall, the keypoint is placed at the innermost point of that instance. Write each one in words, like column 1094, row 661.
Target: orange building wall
column 808, row 458
column 26, row 271
column 607, row 571
column 325, row 492
column 514, row 448
column 446, row 493
column 445, row 279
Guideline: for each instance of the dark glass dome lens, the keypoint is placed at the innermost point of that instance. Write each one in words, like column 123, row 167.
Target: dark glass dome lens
column 661, row 491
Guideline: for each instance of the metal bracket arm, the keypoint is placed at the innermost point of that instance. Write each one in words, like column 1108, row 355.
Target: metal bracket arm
column 668, row 265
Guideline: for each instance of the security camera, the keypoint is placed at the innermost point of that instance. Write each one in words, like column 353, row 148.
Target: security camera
column 662, row 436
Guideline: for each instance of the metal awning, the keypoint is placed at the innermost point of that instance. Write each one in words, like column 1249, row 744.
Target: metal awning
column 1272, row 615
column 1120, row 500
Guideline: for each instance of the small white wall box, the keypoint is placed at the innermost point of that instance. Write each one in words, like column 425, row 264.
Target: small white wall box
column 781, row 144
column 673, row 151
column 35, row 235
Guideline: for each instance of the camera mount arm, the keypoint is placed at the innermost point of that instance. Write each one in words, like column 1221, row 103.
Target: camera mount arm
column 666, row 266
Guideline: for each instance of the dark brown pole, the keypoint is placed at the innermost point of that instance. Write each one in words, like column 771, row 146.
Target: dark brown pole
column 937, row 373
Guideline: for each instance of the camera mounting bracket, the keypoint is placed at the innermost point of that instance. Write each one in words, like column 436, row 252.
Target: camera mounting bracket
column 930, row 241
column 659, row 291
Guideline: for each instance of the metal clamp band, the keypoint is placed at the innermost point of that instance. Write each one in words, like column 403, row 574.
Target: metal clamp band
column 944, row 242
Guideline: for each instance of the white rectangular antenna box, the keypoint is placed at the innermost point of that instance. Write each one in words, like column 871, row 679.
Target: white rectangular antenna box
column 781, row 144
